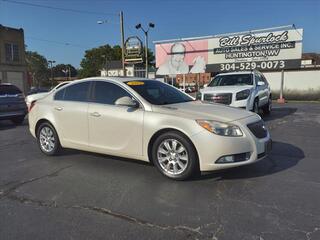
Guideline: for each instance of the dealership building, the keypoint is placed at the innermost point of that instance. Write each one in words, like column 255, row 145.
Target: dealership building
column 277, row 52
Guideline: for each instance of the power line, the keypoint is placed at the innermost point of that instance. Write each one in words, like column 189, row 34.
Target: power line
column 58, row 8
column 57, row 42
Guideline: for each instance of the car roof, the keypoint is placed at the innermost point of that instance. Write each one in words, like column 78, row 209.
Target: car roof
column 121, row 79
column 115, row 79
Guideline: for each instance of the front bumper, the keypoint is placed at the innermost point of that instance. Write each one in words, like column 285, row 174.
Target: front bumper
column 241, row 104
column 211, row 147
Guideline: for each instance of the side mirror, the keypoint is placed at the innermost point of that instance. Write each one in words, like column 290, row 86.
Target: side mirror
column 127, row 101
column 260, row 83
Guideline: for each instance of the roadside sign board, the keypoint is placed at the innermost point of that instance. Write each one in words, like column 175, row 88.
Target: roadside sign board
column 263, row 50
column 133, row 50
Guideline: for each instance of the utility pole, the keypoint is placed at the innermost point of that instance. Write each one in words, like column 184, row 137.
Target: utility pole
column 122, row 43
column 122, row 39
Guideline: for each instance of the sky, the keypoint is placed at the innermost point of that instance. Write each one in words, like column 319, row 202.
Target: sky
column 64, row 36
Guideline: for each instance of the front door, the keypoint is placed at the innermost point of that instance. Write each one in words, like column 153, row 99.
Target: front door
column 112, row 128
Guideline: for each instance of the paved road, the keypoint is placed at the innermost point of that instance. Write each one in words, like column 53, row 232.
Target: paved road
column 81, row 195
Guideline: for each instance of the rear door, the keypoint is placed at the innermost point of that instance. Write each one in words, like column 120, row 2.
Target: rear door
column 70, row 110
column 112, row 128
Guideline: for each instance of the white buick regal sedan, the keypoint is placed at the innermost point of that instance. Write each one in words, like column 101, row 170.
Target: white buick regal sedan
column 150, row 121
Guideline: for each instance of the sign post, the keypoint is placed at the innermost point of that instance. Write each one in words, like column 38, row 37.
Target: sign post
column 281, row 99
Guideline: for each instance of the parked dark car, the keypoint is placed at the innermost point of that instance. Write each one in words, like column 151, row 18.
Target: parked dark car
column 12, row 104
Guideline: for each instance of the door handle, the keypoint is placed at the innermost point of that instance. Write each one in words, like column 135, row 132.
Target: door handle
column 58, row 108
column 95, row 114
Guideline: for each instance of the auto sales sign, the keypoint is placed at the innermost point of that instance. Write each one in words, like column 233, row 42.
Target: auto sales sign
column 263, row 50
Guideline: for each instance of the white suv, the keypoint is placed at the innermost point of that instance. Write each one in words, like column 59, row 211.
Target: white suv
column 248, row 90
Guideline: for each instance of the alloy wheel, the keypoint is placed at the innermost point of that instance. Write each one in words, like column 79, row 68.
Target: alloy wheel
column 47, row 140
column 172, row 156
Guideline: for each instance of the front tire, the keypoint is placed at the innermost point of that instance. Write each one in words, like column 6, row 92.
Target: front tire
column 255, row 108
column 267, row 109
column 48, row 139
column 175, row 156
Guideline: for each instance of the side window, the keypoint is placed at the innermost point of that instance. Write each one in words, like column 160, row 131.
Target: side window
column 258, row 78
column 59, row 95
column 108, row 93
column 77, row 92
column 264, row 79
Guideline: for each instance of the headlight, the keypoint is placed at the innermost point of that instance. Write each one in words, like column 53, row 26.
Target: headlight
column 243, row 94
column 219, row 128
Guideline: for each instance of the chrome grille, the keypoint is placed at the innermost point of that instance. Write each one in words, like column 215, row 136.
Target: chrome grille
column 223, row 98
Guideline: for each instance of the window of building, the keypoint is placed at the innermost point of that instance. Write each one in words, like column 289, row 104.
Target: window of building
column 12, row 52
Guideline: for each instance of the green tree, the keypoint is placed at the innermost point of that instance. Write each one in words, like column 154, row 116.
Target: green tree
column 95, row 59
column 60, row 70
column 151, row 57
column 37, row 65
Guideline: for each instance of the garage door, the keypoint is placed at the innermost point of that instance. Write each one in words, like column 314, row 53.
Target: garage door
column 16, row 78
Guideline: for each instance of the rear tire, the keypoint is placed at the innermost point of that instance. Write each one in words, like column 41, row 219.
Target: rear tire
column 175, row 156
column 48, row 139
column 18, row 120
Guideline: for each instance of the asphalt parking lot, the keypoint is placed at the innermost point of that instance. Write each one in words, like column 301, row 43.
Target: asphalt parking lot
column 80, row 195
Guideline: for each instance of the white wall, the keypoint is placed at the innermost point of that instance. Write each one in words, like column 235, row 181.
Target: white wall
column 295, row 80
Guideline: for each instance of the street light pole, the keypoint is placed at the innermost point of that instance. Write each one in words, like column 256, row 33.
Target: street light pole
column 146, row 53
column 151, row 25
column 51, row 66
column 122, row 43
column 122, row 40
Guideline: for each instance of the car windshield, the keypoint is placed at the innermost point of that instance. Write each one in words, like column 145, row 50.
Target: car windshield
column 231, row 80
column 158, row 93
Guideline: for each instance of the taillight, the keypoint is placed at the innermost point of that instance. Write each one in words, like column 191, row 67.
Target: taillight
column 32, row 105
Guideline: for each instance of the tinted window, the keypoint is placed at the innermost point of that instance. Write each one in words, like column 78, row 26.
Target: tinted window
column 9, row 89
column 77, row 92
column 108, row 93
column 158, row 93
column 59, row 95
column 232, row 80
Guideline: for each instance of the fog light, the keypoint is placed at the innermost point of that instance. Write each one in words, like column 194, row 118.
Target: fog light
column 234, row 158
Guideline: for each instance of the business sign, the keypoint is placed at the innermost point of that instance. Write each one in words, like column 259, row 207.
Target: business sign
column 263, row 51
column 133, row 50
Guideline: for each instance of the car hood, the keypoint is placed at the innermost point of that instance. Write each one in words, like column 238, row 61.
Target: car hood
column 226, row 89
column 203, row 110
